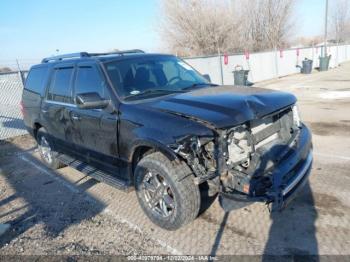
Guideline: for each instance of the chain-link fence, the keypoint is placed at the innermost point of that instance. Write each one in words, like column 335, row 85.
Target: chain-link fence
column 11, row 123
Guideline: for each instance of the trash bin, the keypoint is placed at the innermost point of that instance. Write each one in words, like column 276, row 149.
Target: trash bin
column 240, row 76
column 307, row 66
column 324, row 63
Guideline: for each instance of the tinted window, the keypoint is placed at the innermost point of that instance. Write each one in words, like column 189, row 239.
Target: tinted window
column 89, row 80
column 135, row 76
column 60, row 87
column 35, row 80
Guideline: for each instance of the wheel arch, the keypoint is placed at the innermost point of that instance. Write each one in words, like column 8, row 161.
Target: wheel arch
column 145, row 147
column 36, row 127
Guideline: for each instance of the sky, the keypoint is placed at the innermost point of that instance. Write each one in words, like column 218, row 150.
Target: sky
column 32, row 29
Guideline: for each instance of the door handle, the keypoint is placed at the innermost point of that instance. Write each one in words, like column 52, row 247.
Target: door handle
column 44, row 111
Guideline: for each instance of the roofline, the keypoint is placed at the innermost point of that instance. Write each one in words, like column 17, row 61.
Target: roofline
column 86, row 54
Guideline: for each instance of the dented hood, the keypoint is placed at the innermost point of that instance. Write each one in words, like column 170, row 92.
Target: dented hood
column 224, row 106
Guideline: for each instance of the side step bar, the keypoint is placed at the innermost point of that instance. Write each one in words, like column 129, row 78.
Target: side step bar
column 94, row 172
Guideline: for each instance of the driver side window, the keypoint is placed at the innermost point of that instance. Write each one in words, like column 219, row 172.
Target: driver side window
column 88, row 80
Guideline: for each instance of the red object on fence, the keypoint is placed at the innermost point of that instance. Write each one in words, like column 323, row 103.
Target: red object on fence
column 21, row 107
column 225, row 59
column 298, row 51
column 281, row 53
column 246, row 54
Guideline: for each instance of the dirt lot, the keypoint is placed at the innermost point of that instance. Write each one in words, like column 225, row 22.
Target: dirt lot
column 64, row 212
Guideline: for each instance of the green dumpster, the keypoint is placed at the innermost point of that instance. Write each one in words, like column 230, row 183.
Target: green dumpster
column 324, row 63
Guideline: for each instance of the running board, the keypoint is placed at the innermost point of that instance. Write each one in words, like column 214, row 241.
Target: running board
column 94, row 172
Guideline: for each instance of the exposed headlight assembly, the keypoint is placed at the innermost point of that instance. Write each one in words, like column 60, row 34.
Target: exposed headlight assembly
column 239, row 148
column 296, row 116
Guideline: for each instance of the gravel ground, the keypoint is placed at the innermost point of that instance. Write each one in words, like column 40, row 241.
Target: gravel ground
column 47, row 218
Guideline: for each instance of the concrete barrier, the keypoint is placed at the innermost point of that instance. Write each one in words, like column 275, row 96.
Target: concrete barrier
column 266, row 65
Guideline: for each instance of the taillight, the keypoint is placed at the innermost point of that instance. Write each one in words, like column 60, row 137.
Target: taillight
column 21, row 107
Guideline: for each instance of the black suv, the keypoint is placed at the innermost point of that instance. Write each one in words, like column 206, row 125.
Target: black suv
column 152, row 122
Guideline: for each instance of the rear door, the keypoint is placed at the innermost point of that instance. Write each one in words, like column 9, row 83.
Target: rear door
column 94, row 131
column 56, row 107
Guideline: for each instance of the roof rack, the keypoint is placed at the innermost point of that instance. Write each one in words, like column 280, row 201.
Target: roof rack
column 85, row 54
column 67, row 56
column 132, row 51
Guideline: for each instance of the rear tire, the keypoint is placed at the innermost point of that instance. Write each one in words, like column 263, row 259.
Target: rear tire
column 47, row 154
column 166, row 191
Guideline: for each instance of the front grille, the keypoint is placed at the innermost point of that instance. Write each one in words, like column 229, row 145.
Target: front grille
column 269, row 137
column 275, row 128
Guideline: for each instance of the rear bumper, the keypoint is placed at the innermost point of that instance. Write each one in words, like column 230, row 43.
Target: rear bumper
column 297, row 165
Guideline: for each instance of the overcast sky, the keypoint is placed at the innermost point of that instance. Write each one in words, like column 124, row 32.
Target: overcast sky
column 36, row 28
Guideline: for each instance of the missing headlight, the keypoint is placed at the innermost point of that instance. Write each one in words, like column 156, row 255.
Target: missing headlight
column 239, row 148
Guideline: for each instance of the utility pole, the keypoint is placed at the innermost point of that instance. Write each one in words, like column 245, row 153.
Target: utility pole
column 325, row 29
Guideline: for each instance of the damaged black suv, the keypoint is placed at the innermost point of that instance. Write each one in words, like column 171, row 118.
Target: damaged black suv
column 152, row 122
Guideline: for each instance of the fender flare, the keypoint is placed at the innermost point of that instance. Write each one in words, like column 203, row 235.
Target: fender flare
column 152, row 144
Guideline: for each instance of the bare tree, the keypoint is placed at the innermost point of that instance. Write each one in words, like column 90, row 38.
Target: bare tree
column 340, row 20
column 309, row 41
column 192, row 27
column 5, row 69
column 267, row 24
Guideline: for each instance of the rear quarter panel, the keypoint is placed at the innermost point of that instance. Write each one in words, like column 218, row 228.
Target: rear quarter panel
column 31, row 100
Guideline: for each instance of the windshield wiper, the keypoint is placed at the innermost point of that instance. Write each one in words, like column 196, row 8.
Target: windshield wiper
column 153, row 91
column 197, row 85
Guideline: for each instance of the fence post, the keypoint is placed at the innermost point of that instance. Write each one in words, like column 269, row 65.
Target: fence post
column 276, row 63
column 20, row 75
column 221, row 69
column 337, row 55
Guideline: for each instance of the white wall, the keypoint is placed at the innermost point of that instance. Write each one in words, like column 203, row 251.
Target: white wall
column 266, row 65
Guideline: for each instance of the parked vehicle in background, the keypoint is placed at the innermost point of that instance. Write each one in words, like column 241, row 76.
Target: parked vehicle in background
column 152, row 122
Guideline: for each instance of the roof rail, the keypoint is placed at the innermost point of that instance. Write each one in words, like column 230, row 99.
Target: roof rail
column 132, row 51
column 67, row 56
column 85, row 54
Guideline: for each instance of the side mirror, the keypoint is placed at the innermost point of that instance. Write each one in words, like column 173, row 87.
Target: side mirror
column 206, row 76
column 90, row 101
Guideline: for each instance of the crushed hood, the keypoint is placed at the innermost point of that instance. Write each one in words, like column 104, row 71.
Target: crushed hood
column 225, row 106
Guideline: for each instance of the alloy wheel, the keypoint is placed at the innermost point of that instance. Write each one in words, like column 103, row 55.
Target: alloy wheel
column 158, row 194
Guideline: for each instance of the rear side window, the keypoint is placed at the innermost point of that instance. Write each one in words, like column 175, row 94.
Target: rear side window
column 89, row 80
column 35, row 80
column 60, row 87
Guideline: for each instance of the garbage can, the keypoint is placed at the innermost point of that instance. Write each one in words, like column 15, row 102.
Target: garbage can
column 324, row 63
column 240, row 76
column 307, row 66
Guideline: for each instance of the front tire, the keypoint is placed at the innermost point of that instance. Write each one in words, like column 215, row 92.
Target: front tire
column 47, row 154
column 166, row 191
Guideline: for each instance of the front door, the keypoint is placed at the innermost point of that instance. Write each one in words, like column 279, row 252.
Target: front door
column 94, row 131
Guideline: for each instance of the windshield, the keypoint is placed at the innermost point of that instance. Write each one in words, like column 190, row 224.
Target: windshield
column 139, row 78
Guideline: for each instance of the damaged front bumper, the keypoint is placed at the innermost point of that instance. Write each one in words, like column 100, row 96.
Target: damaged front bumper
column 288, row 177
